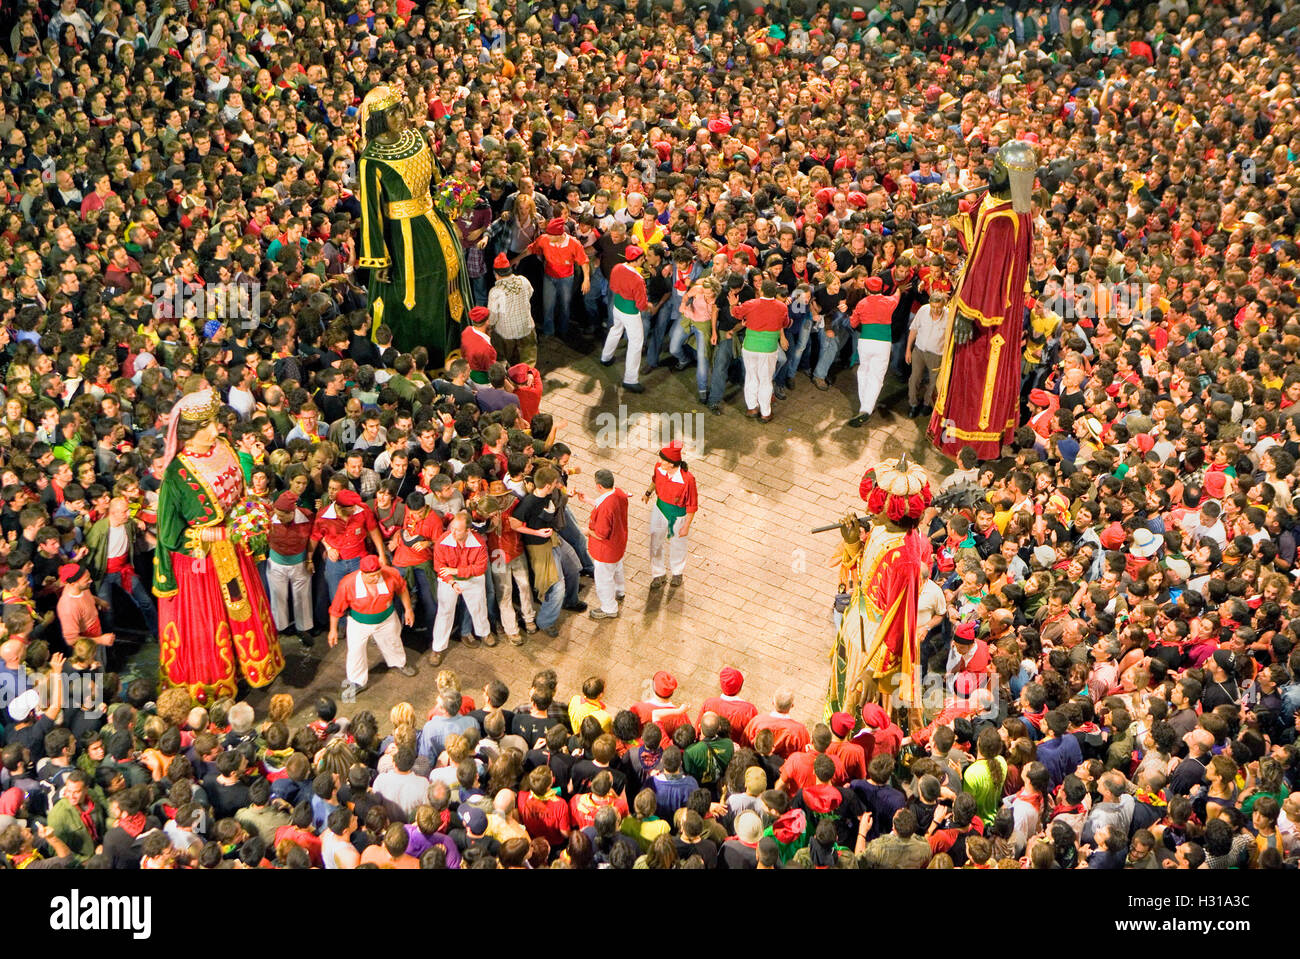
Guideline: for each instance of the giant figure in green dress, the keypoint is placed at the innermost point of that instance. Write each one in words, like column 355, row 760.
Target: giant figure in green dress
column 419, row 285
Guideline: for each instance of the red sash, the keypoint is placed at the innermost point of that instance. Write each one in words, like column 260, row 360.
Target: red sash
column 122, row 566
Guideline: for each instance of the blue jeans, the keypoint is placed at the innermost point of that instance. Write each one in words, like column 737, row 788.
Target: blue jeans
column 335, row 570
column 595, row 300
column 572, row 566
column 830, row 347
column 478, row 285
column 549, row 610
column 139, row 595
column 678, row 340
column 572, row 534
column 426, row 594
column 557, row 294
column 799, row 336
column 656, row 332
column 724, row 355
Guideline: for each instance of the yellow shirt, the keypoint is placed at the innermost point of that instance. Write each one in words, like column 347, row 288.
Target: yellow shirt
column 580, row 708
column 656, row 235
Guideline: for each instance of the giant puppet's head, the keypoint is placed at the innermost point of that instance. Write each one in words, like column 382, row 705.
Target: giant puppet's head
column 383, row 111
column 896, row 490
column 1013, row 173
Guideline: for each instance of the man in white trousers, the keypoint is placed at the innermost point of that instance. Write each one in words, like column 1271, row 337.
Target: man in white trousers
column 607, row 543
column 872, row 318
column 765, row 319
column 627, row 301
column 461, row 560
column 288, row 566
column 675, row 503
column 366, row 598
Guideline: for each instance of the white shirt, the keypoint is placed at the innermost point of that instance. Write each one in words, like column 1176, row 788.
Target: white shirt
column 930, row 330
column 241, row 401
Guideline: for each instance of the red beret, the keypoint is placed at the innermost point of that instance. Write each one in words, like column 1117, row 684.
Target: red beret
column 478, row 314
column 348, row 497
column 665, row 684
column 518, row 373
column 286, row 502
column 720, row 125
column 586, row 46
column 672, row 452
column 502, row 262
column 1145, row 442
column 369, row 563
column 555, row 227
column 69, row 572
column 1040, row 397
column 874, row 284
column 857, row 199
column 1216, row 484
column 731, row 680
column 966, row 632
column 632, row 252
column 1113, row 536
column 842, row 724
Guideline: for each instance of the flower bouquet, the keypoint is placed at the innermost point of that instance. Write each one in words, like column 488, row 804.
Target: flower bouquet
column 453, row 196
column 248, row 526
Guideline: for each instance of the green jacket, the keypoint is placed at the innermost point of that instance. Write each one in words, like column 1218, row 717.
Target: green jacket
column 97, row 544
column 65, row 820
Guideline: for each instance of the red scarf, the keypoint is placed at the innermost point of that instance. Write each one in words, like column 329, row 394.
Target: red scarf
column 89, row 820
column 132, row 825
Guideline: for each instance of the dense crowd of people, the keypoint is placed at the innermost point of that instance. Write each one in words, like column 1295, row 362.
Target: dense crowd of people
column 1111, row 625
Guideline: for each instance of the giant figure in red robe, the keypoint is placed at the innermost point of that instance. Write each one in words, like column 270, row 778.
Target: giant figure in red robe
column 979, row 379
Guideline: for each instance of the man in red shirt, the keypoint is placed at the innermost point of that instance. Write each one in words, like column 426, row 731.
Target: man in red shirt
column 660, row 709
column 509, row 565
column 476, row 345
column 413, row 552
column 541, row 810
column 607, row 542
column 676, row 502
column 765, row 319
column 343, row 528
column 850, row 755
column 797, row 770
column 736, row 711
column 366, row 599
column 288, row 565
column 872, row 318
column 461, row 560
column 790, row 735
column 627, row 301
column 560, row 254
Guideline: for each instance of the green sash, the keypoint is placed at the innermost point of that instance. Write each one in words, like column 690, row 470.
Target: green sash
column 671, row 513
column 479, row 376
column 372, row 619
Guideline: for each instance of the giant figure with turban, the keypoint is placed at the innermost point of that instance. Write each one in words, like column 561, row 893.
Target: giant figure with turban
column 419, row 285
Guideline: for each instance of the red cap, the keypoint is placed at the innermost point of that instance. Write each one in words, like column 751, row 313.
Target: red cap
column 874, row 284
column 1113, row 536
column 518, row 373
column 672, row 452
column 348, row 497
column 874, row 715
column 479, row 314
column 720, row 125
column 842, row 724
column 586, row 46
column 1040, row 397
column 555, row 227
column 966, row 632
column 665, row 684
column 858, row 14
column 69, row 572
column 1146, row 442
column 1216, row 484
column 502, row 262
column 731, row 680
column 286, row 502
column 632, row 252
column 369, row 563
column 857, row 199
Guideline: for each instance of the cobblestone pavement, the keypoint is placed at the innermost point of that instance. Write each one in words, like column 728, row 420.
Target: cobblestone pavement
column 758, row 586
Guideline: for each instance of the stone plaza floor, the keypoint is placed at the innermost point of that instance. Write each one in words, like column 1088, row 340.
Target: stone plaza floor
column 758, row 586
